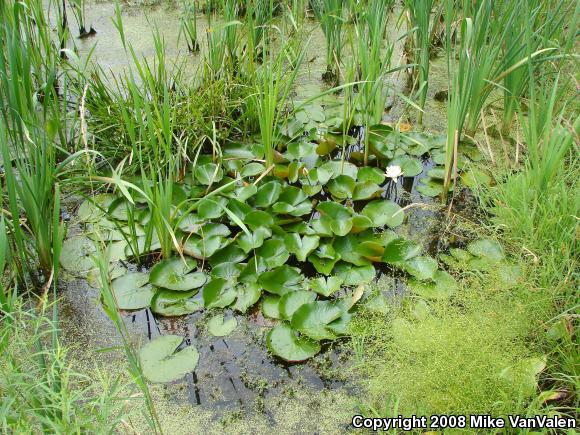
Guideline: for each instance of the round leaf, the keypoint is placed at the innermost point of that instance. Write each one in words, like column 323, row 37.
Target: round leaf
column 284, row 342
column 218, row 327
column 161, row 363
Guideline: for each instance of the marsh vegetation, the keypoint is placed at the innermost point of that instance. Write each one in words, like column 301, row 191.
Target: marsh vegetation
column 244, row 202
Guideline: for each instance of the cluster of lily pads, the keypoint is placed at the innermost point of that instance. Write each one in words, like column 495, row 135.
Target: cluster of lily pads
column 294, row 237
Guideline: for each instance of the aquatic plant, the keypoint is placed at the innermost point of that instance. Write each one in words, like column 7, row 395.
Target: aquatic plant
column 421, row 23
column 330, row 15
column 374, row 62
column 188, row 24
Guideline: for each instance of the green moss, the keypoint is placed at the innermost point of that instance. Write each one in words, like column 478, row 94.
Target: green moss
column 447, row 357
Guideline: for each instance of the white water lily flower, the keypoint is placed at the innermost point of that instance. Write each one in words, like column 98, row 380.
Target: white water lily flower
column 394, row 172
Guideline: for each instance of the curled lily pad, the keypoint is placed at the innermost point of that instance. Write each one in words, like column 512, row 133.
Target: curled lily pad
column 176, row 274
column 281, row 280
column 473, row 178
column 268, row 194
column 247, row 295
column 252, row 169
column 326, row 286
column 341, row 187
column 202, row 247
column 400, row 250
column 383, row 213
column 355, row 275
column 161, row 363
column 77, row 254
column 285, row 343
column 441, row 286
column 171, row 303
column 208, row 173
column 312, row 319
column 293, row 201
column 290, row 302
column 132, row 291
column 218, row 327
column 228, row 271
column 218, row 293
column 431, row 187
column 301, row 247
column 229, row 254
column 422, row 267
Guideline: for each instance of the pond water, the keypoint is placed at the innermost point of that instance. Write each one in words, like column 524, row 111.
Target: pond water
column 236, row 373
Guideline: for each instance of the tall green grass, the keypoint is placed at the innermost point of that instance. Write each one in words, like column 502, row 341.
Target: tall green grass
column 329, row 14
column 422, row 23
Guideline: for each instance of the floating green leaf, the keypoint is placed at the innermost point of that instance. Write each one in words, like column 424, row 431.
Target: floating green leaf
column 208, row 173
column 383, row 213
column 284, row 342
column 301, row 247
column 271, row 306
column 218, row 293
column 342, row 187
column 422, row 267
column 441, row 286
column 176, row 274
column 175, row 303
column 268, row 194
column 77, row 254
column 254, row 240
column 290, row 302
column 354, row 275
column 161, row 363
column 326, row 286
column 281, row 280
column 312, row 319
column 247, row 295
column 218, row 327
column 132, row 291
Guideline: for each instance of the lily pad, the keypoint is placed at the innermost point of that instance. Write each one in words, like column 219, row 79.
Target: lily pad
column 326, row 286
column 341, row 187
column 77, row 254
column 161, row 363
column 281, row 280
column 132, row 291
column 208, row 173
column 336, row 216
column 487, row 249
column 171, row 303
column 285, row 343
column 365, row 190
column 312, row 319
column 247, row 295
column 383, row 213
column 268, row 194
column 95, row 208
column 176, row 274
column 400, row 250
column 354, row 275
column 422, row 267
column 254, row 240
column 218, row 327
column 442, row 286
column 202, row 247
column 290, row 302
column 301, row 247
column 410, row 166
column 218, row 293
column 271, row 306
column 371, row 174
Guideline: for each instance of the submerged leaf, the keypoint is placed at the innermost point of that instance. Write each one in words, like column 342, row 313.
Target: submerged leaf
column 218, row 327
